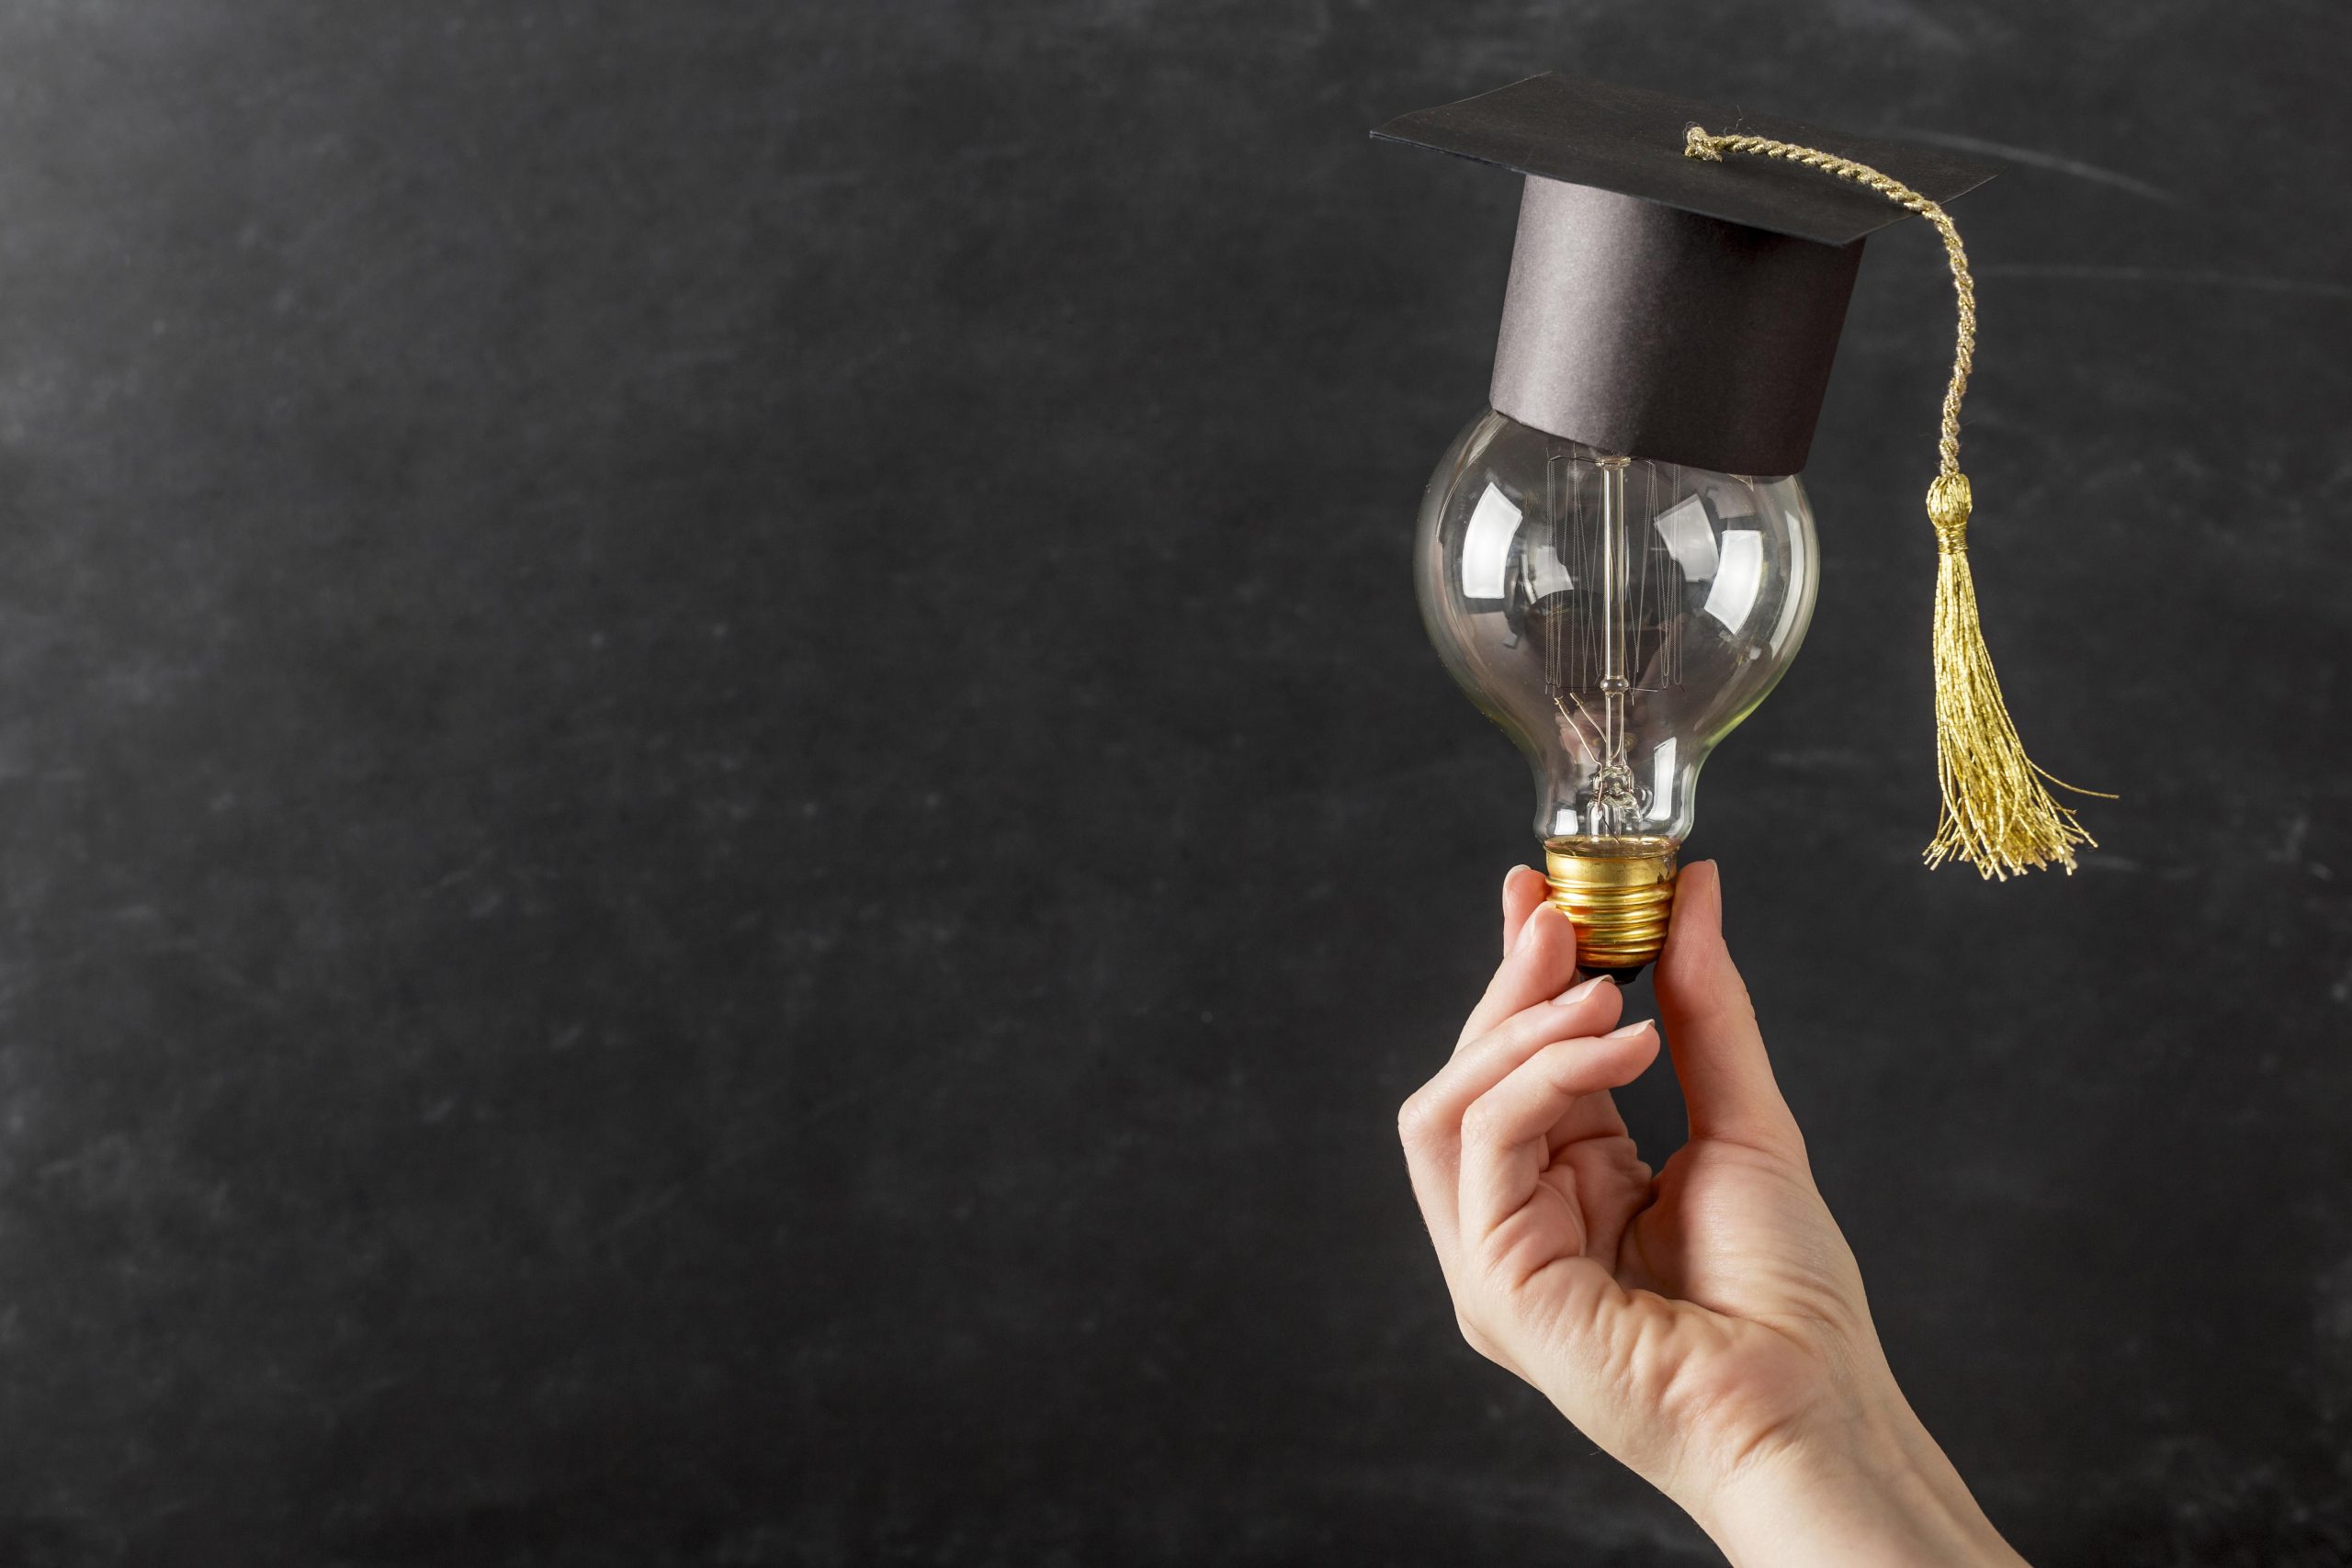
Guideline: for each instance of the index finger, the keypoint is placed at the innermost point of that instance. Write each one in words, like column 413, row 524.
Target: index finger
column 1523, row 888
column 1542, row 962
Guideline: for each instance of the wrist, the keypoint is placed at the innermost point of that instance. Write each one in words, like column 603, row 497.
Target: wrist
column 1880, row 1493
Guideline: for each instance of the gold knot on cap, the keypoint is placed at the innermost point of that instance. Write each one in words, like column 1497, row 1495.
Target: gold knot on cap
column 1948, row 504
column 1697, row 143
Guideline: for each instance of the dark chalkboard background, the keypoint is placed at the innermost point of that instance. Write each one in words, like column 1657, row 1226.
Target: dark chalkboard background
column 726, row 830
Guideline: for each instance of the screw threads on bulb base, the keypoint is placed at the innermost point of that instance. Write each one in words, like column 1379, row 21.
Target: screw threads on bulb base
column 1618, row 893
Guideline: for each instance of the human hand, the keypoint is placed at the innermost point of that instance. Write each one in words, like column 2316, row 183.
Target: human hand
column 1705, row 1326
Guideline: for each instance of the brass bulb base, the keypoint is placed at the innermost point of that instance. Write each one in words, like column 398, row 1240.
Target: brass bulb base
column 1618, row 893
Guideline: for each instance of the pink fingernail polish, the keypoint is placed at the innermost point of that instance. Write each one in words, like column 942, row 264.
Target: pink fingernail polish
column 1576, row 994
column 1628, row 1032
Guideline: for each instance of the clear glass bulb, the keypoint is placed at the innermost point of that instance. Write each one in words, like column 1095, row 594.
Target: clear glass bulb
column 1617, row 617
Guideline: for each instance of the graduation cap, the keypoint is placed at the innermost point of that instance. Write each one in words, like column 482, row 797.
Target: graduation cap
column 1661, row 306
column 1677, row 291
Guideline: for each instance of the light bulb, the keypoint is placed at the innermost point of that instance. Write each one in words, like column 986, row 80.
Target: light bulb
column 1617, row 617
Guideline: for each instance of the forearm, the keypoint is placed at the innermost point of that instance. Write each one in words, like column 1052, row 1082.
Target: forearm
column 1889, row 1500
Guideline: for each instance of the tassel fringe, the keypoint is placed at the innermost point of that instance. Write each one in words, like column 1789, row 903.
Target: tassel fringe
column 1999, row 814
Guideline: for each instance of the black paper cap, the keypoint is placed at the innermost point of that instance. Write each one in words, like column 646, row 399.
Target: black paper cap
column 1663, row 306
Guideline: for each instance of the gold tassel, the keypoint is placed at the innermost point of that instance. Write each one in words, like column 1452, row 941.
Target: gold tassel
column 1998, row 815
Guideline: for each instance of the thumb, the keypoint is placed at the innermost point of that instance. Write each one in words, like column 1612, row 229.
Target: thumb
column 1719, row 1056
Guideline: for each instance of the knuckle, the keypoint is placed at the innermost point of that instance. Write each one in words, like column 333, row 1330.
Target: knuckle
column 1483, row 1122
column 1493, row 1262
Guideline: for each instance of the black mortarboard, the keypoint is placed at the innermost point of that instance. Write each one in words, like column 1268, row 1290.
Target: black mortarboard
column 1658, row 306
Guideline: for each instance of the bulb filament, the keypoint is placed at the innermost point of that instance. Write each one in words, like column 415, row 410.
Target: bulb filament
column 1614, row 793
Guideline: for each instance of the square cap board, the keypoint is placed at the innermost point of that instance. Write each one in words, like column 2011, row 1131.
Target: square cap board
column 1629, row 141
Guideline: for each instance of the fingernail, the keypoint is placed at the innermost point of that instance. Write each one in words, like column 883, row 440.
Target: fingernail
column 1533, row 915
column 1576, row 994
column 1628, row 1032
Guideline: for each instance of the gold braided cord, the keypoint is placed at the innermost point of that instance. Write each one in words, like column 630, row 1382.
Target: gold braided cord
column 1998, row 815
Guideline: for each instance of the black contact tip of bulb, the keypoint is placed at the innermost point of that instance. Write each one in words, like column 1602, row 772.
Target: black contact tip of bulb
column 1623, row 976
